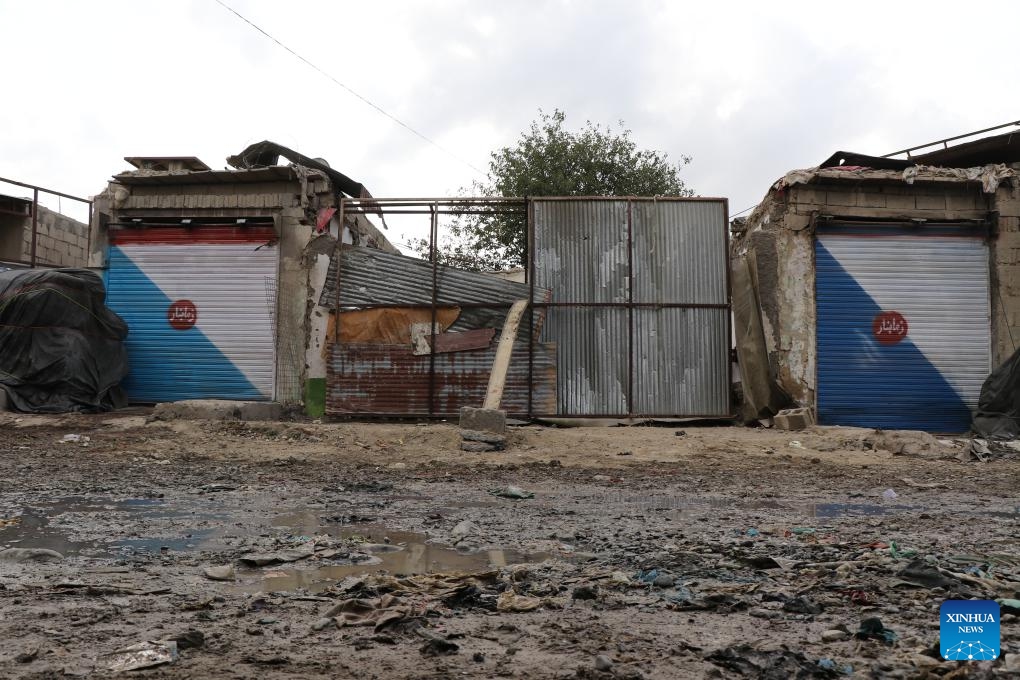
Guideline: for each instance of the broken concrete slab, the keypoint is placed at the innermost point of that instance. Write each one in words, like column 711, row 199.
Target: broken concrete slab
column 483, row 419
column 218, row 409
column 477, row 447
column 496, row 440
column 794, row 419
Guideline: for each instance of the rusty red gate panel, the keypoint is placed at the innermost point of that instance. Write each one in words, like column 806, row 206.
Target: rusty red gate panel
column 375, row 379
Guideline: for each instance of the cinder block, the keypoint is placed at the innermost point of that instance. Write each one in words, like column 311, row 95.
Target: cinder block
column 900, row 202
column 924, row 202
column 476, row 447
column 961, row 202
column 844, row 197
column 483, row 419
column 871, row 199
column 1007, row 207
column 497, row 441
column 794, row 419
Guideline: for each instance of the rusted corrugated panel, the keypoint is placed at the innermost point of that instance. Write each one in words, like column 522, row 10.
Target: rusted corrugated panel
column 389, row 379
column 372, row 277
column 679, row 251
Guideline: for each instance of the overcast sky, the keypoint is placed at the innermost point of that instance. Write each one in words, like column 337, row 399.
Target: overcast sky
column 749, row 90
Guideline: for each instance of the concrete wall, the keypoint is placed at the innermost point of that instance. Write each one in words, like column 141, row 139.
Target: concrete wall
column 1006, row 275
column 60, row 240
column 778, row 240
column 304, row 256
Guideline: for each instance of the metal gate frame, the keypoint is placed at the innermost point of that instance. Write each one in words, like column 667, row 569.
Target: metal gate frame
column 434, row 207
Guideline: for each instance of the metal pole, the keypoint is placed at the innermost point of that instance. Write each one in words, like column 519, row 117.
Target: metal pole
column 35, row 223
column 433, row 237
column 339, row 256
column 529, row 273
column 630, row 311
column 88, row 238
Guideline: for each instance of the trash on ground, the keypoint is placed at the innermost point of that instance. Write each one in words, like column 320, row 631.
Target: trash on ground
column 512, row 491
column 141, row 655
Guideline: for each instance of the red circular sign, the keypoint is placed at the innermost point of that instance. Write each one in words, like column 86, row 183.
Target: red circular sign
column 182, row 314
column 889, row 327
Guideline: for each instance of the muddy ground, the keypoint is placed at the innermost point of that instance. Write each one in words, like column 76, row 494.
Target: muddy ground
column 651, row 552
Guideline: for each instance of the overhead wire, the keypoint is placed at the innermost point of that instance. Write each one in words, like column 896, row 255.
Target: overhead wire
column 351, row 91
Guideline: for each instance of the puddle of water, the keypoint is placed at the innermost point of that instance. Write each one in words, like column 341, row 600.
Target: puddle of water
column 406, row 554
column 45, row 524
column 830, row 510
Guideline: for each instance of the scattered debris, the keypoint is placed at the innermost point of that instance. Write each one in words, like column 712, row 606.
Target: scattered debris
column 30, row 555
column 141, row 655
column 511, row 491
column 872, row 629
column 224, row 573
column 300, row 552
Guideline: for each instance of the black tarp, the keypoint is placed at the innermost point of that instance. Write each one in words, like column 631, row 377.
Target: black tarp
column 998, row 414
column 61, row 348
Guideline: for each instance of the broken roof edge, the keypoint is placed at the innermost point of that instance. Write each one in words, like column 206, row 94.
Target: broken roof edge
column 267, row 154
column 162, row 177
column 990, row 176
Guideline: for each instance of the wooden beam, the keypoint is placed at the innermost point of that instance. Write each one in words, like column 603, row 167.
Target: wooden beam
column 500, row 365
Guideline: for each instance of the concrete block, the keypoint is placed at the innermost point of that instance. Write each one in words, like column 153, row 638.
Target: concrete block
column 871, row 199
column 1009, row 207
column 836, row 197
column 924, row 202
column 794, row 419
column 497, row 441
column 218, row 409
column 483, row 420
column 961, row 202
column 1009, row 225
column 477, row 447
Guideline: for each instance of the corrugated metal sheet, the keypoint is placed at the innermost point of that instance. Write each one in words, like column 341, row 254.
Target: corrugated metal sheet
column 681, row 361
column 593, row 359
column 581, row 250
column 372, row 277
column 680, row 358
column 228, row 352
column 679, row 251
column 390, row 379
column 903, row 330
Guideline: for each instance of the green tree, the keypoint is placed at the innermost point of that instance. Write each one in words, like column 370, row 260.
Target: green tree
column 550, row 160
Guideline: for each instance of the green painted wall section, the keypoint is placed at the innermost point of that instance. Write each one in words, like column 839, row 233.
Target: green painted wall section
column 315, row 397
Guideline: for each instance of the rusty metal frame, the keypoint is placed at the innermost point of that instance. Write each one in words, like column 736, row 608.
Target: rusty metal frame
column 33, row 260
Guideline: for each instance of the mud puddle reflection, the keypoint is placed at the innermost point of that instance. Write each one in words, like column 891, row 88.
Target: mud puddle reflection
column 376, row 549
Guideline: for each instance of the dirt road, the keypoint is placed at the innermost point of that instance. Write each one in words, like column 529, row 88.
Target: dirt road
column 306, row 550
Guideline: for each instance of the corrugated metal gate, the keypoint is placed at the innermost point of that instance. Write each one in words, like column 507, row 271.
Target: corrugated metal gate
column 200, row 304
column 903, row 325
column 630, row 313
column 640, row 307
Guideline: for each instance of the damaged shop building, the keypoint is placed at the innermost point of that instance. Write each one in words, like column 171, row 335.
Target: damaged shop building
column 881, row 292
column 233, row 287
column 218, row 273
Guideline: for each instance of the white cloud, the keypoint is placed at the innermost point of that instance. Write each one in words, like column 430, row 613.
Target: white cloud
column 750, row 90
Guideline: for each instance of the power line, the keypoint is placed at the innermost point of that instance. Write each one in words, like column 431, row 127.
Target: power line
column 351, row 91
column 743, row 211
